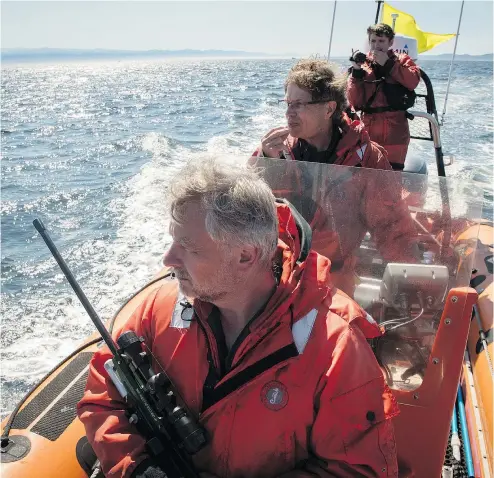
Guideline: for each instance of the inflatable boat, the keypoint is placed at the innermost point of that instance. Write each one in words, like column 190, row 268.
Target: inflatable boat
column 436, row 351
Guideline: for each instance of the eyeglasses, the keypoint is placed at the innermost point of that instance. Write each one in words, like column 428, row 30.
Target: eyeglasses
column 298, row 105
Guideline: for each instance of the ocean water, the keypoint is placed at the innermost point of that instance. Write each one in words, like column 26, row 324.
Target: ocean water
column 90, row 149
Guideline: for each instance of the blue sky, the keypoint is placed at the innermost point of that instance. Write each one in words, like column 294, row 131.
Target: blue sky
column 278, row 27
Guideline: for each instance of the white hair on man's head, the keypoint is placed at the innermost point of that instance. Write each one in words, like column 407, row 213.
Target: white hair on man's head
column 239, row 206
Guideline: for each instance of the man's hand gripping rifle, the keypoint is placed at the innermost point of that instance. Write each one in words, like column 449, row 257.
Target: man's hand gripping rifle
column 172, row 434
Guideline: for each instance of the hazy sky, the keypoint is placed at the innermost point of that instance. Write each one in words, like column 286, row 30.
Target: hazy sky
column 279, row 27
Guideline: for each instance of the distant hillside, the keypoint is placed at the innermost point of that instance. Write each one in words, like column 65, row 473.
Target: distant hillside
column 448, row 56
column 46, row 54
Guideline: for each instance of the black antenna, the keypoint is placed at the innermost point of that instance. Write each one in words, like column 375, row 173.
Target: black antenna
column 378, row 10
column 40, row 227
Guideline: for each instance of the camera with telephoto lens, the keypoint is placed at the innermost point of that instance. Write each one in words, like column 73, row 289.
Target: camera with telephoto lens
column 358, row 57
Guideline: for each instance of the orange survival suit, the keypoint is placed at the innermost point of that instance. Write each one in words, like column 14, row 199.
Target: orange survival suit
column 386, row 127
column 349, row 203
column 324, row 411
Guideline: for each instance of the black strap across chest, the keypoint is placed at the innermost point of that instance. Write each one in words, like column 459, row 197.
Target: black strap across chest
column 212, row 395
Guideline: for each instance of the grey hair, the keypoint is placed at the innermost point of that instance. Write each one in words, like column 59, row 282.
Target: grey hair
column 240, row 207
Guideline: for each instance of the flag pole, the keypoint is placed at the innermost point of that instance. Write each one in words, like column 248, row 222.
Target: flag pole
column 378, row 10
column 394, row 16
column 451, row 65
column 332, row 27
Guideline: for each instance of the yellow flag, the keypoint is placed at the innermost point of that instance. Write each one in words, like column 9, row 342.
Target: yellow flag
column 406, row 25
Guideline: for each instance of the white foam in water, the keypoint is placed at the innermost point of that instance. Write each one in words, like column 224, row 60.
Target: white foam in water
column 219, row 145
column 142, row 235
column 157, row 144
column 116, row 269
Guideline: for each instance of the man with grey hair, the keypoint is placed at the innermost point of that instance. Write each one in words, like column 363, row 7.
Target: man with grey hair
column 271, row 358
column 225, row 234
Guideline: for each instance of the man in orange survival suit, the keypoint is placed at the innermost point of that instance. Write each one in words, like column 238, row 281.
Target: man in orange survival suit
column 380, row 87
column 319, row 131
column 323, row 409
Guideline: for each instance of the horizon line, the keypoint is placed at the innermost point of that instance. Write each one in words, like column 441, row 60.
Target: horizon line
column 156, row 50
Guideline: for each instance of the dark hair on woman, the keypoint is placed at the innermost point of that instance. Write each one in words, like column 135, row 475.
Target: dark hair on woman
column 322, row 80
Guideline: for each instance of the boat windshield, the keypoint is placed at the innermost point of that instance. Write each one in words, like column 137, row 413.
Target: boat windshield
column 392, row 240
